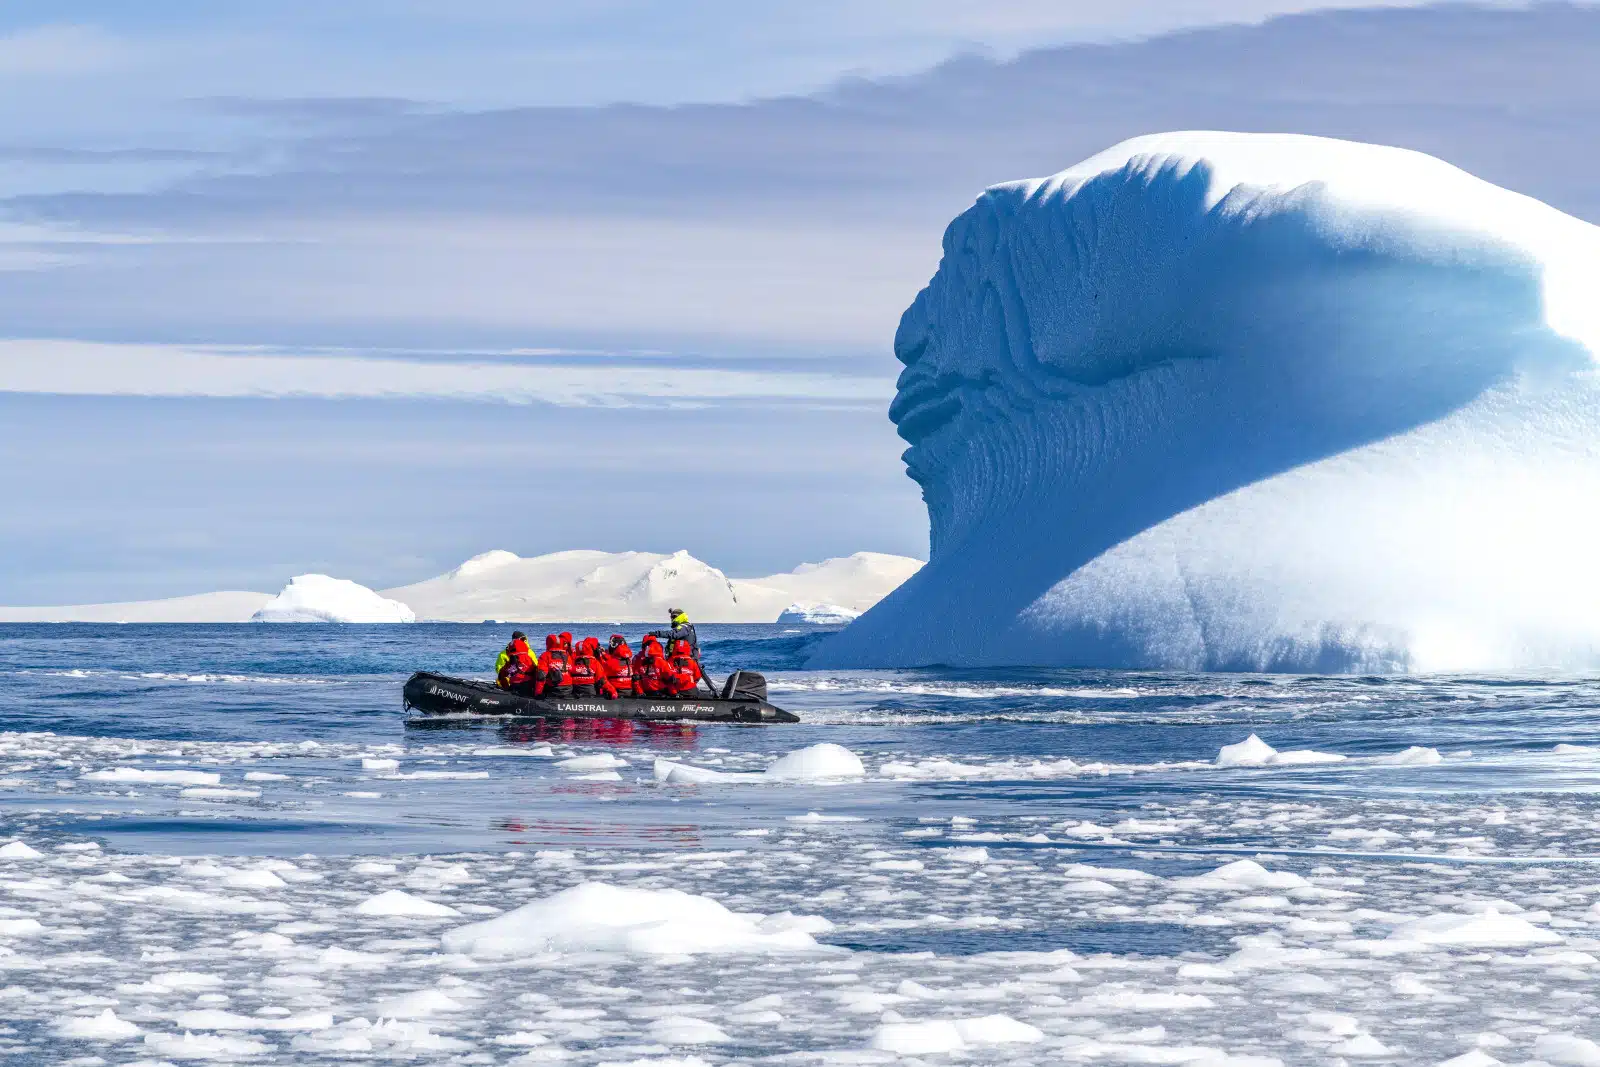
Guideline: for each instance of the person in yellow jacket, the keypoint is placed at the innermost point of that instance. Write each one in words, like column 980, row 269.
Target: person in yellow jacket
column 514, row 665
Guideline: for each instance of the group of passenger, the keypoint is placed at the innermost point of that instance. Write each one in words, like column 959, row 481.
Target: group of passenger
column 585, row 670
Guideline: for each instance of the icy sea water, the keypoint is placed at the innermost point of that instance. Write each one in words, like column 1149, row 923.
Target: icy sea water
column 1037, row 867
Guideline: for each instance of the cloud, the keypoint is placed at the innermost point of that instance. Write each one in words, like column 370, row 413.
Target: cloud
column 806, row 222
column 79, row 368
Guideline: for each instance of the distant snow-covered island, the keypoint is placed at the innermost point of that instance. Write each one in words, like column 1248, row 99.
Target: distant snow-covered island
column 557, row 587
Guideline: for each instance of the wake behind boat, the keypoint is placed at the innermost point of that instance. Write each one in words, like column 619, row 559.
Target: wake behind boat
column 742, row 699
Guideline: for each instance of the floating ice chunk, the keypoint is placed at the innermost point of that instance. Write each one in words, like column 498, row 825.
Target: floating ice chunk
column 687, row 1030
column 20, row 927
column 203, row 1046
column 936, row 1036
column 1415, row 756
column 1112, row 1002
column 966, row 854
column 265, row 776
column 598, row 776
column 213, row 1019
column 1475, row 1058
column 373, row 764
column 818, row 762
column 18, row 850
column 319, row 598
column 1361, row 1046
column 1575, row 750
column 140, row 776
column 826, row 760
column 813, row 818
column 186, row 980
column 918, row 1039
column 437, row 775
column 1565, row 1049
column 1489, row 928
column 522, row 1039
column 256, row 879
column 604, row 761
column 1254, row 752
column 1243, row 874
column 597, row 916
column 212, row 793
column 673, row 773
column 103, row 1027
column 421, row 1004
column 1251, row 752
column 400, row 903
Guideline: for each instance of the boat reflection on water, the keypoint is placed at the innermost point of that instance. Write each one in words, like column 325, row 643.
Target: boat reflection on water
column 601, row 731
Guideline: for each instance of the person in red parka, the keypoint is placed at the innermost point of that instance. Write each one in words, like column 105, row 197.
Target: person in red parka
column 649, row 667
column 515, row 668
column 618, row 662
column 555, row 668
column 683, row 672
column 589, row 674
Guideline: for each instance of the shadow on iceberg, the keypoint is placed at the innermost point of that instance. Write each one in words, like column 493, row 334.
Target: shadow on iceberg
column 1167, row 408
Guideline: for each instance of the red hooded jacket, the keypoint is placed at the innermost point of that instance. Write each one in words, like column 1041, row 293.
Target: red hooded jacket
column 618, row 662
column 555, row 664
column 587, row 670
column 518, row 666
column 683, row 672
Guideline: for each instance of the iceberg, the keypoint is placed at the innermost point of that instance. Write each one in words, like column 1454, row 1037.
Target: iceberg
column 319, row 598
column 1221, row 401
column 799, row 614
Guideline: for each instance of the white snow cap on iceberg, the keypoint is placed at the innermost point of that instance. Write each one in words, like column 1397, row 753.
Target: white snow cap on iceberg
column 319, row 598
column 595, row 916
column 1251, row 402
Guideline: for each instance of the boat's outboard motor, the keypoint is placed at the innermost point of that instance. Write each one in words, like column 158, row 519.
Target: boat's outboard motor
column 745, row 685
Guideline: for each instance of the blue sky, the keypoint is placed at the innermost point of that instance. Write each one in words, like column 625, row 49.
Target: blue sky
column 369, row 288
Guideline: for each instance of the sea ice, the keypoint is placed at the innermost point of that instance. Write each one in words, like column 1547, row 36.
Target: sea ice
column 397, row 902
column 597, row 916
column 1487, row 928
column 1254, row 752
column 103, row 1027
column 147, row 777
column 817, row 762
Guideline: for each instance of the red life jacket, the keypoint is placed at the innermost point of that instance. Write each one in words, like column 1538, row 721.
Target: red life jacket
column 620, row 670
column 556, row 663
column 585, row 670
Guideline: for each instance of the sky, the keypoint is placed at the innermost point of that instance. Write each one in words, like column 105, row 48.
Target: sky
column 370, row 288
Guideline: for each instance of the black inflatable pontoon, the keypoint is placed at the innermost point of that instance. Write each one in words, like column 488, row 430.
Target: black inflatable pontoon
column 743, row 699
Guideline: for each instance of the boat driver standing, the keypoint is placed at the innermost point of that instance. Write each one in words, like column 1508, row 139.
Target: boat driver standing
column 682, row 630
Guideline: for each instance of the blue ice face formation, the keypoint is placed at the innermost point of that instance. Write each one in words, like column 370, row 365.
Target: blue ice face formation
column 1252, row 402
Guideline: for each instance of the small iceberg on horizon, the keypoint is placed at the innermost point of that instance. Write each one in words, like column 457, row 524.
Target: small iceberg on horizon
column 319, row 598
column 802, row 614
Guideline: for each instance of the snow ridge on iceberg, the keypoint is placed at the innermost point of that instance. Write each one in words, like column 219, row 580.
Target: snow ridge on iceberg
column 1260, row 402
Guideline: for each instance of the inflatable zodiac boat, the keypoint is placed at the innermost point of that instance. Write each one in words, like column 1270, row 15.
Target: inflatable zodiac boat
column 742, row 699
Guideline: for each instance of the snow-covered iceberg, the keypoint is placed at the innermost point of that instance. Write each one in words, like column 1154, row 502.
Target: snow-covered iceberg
column 1268, row 402
column 801, row 614
column 319, row 598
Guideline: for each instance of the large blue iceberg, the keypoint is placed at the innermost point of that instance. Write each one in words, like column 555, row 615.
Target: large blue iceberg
column 1252, row 402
